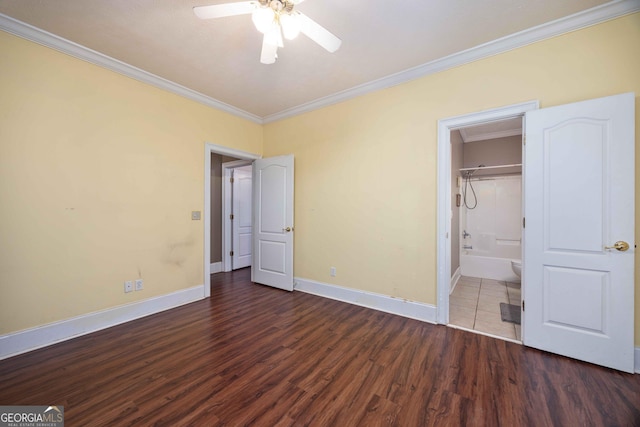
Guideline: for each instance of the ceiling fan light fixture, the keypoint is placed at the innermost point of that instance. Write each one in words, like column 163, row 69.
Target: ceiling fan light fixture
column 263, row 18
column 274, row 18
column 274, row 35
column 290, row 25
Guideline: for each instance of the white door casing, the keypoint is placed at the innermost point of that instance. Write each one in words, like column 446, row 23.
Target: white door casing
column 273, row 222
column 445, row 126
column 242, row 222
column 579, row 198
column 226, row 151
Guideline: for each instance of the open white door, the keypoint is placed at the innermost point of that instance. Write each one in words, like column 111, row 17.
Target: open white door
column 273, row 222
column 579, row 209
column 241, row 223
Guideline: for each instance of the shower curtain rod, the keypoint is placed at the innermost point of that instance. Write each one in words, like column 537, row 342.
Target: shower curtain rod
column 489, row 167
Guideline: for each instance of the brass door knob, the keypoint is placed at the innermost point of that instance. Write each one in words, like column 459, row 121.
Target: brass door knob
column 288, row 229
column 619, row 245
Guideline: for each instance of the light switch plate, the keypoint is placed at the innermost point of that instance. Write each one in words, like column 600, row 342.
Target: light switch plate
column 195, row 215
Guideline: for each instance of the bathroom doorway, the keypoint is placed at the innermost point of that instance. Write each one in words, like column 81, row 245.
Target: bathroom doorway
column 480, row 211
column 486, row 228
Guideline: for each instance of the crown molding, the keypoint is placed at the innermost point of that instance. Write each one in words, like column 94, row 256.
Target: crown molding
column 60, row 44
column 555, row 28
column 574, row 22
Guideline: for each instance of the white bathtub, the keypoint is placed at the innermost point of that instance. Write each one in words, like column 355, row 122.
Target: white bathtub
column 487, row 267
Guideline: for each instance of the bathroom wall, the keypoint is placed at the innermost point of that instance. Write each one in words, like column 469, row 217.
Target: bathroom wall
column 456, row 164
column 494, row 227
column 494, row 152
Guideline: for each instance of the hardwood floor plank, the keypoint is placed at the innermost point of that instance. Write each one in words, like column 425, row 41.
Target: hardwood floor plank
column 253, row 355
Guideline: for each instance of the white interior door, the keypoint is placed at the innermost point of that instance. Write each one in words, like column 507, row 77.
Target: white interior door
column 241, row 223
column 273, row 222
column 579, row 201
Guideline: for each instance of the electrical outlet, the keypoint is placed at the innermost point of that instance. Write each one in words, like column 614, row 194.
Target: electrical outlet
column 139, row 285
column 332, row 272
column 128, row 286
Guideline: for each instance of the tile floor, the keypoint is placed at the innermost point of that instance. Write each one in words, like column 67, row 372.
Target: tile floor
column 475, row 304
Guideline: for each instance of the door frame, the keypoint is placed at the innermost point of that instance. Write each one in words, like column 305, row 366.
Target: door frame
column 445, row 126
column 227, row 207
column 210, row 148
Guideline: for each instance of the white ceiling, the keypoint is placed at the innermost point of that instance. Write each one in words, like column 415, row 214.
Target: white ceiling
column 221, row 58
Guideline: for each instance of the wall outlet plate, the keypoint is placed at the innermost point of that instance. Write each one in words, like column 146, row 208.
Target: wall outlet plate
column 128, row 286
column 139, row 284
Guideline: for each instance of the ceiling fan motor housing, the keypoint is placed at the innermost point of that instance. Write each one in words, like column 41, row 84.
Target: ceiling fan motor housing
column 278, row 5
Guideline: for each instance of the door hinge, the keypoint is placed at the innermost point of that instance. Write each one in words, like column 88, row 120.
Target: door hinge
column 522, row 305
column 231, row 216
column 231, row 180
column 231, row 253
column 523, row 222
column 524, row 140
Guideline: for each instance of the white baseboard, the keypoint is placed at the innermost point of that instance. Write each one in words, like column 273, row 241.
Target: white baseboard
column 216, row 267
column 42, row 336
column 637, row 360
column 388, row 304
column 454, row 280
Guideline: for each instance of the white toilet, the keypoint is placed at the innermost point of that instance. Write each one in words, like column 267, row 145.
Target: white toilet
column 516, row 266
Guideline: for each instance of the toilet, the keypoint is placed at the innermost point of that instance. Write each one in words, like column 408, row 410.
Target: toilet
column 516, row 266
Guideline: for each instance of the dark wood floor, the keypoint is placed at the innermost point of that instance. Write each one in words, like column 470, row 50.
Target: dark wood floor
column 252, row 355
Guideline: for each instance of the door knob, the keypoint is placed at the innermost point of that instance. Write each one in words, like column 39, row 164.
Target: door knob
column 619, row 245
column 288, row 229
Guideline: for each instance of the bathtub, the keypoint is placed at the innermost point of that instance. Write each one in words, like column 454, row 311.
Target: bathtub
column 487, row 267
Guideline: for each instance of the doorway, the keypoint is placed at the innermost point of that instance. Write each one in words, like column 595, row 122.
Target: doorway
column 486, row 228
column 236, row 215
column 208, row 151
column 446, row 275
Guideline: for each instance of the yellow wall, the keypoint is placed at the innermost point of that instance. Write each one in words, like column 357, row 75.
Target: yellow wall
column 365, row 184
column 98, row 176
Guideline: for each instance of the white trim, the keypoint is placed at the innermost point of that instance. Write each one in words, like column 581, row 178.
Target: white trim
column 454, row 280
column 445, row 126
column 68, row 47
column 388, row 304
column 560, row 26
column 215, row 267
column 226, row 151
column 45, row 335
column 636, row 357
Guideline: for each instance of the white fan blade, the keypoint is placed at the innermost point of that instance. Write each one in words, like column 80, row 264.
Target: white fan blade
column 269, row 51
column 318, row 33
column 226, row 9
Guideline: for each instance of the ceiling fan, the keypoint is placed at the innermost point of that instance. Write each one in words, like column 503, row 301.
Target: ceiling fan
column 273, row 18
